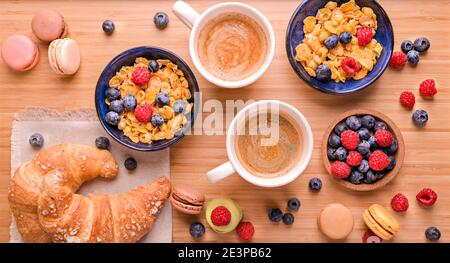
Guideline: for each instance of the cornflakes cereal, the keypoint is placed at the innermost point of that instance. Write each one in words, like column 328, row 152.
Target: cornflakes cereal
column 334, row 19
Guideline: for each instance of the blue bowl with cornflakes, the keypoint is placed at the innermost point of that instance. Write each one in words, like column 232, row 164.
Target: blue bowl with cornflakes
column 295, row 36
column 127, row 58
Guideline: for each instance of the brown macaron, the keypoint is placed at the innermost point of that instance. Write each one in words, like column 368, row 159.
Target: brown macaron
column 48, row 25
column 187, row 199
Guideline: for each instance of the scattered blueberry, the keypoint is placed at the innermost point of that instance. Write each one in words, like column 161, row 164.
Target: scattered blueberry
column 413, row 57
column 334, row 140
column 364, row 166
column 379, row 125
column 197, row 229
column 421, row 44
column 293, row 204
column 129, row 102
column 153, row 65
column 394, row 147
column 420, row 117
column 331, row 153
column 371, row 177
column 406, row 46
column 353, row 123
column 315, row 184
column 356, row 177
column 162, row 99
column 112, row 118
column 392, row 163
column 340, row 128
column 130, row 164
column 368, row 122
column 363, row 147
column 323, row 73
column 275, row 215
column 157, row 120
column 373, row 143
column 363, row 133
column 179, row 106
column 36, row 140
column 108, row 27
column 345, row 37
column 331, row 41
column 112, row 94
column 341, row 154
column 161, row 20
column 288, row 219
column 432, row 233
column 102, row 143
column 116, row 105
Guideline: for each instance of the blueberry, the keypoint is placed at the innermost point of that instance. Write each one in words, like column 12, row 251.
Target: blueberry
column 108, row 27
column 420, row 117
column 112, row 118
column 406, row 46
column 129, row 102
column 373, row 143
column 379, row 175
column 393, row 148
column 331, row 41
column 157, row 120
column 345, row 37
column 356, row 177
column 275, row 215
column 368, row 122
column 334, row 140
column 179, row 106
column 323, row 73
column 331, row 153
column 371, row 177
column 112, row 94
column 288, row 219
column 36, row 140
column 130, row 164
column 353, row 123
column 432, row 233
column 363, row 133
column 379, row 125
column 161, row 20
column 340, row 128
column 293, row 204
column 421, row 44
column 392, row 163
column 341, row 154
column 367, row 155
column 116, row 105
column 102, row 143
column 364, row 166
column 197, row 229
column 413, row 57
column 363, row 147
column 153, row 65
column 315, row 184
column 162, row 99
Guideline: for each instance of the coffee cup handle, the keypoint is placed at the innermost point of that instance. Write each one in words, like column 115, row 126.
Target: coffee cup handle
column 185, row 13
column 220, row 172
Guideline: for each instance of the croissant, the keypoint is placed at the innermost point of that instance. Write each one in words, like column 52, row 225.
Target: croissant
column 126, row 217
column 67, row 165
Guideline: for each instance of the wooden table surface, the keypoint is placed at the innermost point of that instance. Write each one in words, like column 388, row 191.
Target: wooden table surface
column 427, row 160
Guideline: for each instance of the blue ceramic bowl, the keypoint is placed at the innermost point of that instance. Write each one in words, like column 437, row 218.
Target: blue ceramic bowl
column 294, row 36
column 127, row 58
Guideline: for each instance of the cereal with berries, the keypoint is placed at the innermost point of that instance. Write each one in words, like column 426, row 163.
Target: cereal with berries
column 149, row 100
column 338, row 43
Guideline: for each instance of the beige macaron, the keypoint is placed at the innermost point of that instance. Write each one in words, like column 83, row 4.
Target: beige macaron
column 64, row 56
column 187, row 199
column 335, row 221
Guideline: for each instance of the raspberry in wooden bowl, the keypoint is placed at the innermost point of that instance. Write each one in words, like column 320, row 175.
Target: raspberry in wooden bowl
column 363, row 149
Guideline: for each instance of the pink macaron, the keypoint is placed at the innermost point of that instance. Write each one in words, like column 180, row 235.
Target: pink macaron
column 20, row 53
column 49, row 25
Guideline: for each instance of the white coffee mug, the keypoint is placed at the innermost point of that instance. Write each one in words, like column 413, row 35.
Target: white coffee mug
column 196, row 21
column 235, row 166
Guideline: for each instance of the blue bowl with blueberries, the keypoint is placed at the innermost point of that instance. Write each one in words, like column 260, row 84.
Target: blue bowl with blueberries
column 322, row 82
column 108, row 114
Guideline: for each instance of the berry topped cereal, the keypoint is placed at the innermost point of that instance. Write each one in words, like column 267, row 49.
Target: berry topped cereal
column 340, row 40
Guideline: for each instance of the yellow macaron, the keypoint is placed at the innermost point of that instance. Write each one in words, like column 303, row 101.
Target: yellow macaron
column 381, row 222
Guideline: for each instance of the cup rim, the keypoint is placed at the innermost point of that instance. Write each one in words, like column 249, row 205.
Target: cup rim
column 268, row 29
column 298, row 168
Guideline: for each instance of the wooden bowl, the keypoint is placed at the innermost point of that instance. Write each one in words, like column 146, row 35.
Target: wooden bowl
column 399, row 155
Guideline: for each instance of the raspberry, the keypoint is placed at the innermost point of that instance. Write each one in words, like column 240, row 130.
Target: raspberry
column 370, row 237
column 350, row 139
column 350, row 66
column 354, row 158
column 398, row 60
column 427, row 197
column 340, row 169
column 427, row 88
column 141, row 76
column 384, row 138
column 407, row 99
column 399, row 203
column 143, row 112
column 364, row 35
column 220, row 216
column 378, row 160
column 245, row 230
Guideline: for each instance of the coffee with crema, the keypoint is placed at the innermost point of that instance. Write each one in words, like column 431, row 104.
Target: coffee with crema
column 265, row 160
column 232, row 46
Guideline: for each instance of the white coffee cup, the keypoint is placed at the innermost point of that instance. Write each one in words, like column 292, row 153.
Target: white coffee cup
column 235, row 166
column 196, row 21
